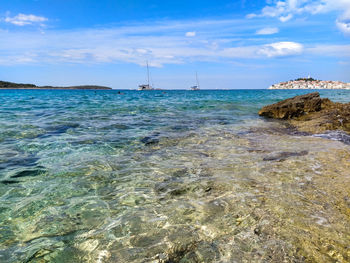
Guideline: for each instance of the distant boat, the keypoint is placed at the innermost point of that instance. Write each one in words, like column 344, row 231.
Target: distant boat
column 196, row 87
column 146, row 86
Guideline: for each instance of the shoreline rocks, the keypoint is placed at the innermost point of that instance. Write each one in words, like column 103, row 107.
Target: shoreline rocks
column 310, row 113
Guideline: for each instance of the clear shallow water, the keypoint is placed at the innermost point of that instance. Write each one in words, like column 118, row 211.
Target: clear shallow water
column 177, row 177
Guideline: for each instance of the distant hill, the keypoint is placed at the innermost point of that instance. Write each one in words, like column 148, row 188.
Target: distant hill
column 310, row 83
column 11, row 85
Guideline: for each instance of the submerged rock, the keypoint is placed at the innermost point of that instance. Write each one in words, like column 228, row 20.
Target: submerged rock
column 151, row 139
column 9, row 182
column 27, row 173
column 284, row 155
column 310, row 113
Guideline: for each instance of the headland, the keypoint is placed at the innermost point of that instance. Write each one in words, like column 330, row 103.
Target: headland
column 11, row 85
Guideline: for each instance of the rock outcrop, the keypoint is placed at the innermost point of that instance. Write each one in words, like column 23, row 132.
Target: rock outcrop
column 310, row 113
column 294, row 107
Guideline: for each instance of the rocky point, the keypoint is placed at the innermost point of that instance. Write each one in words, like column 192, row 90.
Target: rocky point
column 311, row 113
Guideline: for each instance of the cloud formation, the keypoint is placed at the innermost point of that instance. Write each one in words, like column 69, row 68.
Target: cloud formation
column 190, row 34
column 343, row 23
column 23, row 19
column 285, row 10
column 160, row 43
column 281, row 49
column 267, row 31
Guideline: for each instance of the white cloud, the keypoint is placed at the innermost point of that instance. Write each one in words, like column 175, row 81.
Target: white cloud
column 22, row 19
column 191, row 34
column 286, row 18
column 267, row 31
column 251, row 15
column 344, row 26
column 343, row 23
column 159, row 43
column 285, row 10
column 281, row 49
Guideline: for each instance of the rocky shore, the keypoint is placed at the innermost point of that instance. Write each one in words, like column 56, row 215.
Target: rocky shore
column 311, row 113
column 310, row 83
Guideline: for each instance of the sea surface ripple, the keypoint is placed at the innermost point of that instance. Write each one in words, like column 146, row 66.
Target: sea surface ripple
column 168, row 176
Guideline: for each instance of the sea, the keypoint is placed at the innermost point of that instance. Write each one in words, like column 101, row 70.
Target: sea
column 168, row 176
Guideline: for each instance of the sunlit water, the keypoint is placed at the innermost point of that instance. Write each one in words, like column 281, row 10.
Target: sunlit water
column 179, row 176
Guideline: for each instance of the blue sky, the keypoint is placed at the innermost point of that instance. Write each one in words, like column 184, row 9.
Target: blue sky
column 231, row 44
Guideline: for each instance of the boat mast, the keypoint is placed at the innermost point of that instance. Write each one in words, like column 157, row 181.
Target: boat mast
column 197, row 80
column 147, row 74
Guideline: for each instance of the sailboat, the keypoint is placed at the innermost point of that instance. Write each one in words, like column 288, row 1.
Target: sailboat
column 146, row 86
column 196, row 87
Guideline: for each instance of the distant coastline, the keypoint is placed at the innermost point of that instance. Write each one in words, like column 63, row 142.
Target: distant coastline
column 11, row 85
column 310, row 83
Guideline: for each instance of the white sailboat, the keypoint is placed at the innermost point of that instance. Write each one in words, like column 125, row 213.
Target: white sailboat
column 196, row 87
column 146, row 86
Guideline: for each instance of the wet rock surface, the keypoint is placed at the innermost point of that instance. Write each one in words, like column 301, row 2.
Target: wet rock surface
column 311, row 113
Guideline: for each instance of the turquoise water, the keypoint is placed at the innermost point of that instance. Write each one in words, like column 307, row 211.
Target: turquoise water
column 174, row 176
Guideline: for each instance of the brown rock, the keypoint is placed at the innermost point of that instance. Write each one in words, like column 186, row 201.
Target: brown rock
column 310, row 113
column 293, row 107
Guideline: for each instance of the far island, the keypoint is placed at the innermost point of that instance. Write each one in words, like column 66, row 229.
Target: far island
column 11, row 85
column 310, row 83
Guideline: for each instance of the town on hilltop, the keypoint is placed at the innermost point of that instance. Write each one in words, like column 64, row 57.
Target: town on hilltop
column 310, row 83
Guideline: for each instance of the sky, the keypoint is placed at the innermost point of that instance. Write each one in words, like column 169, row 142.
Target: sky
column 242, row 44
